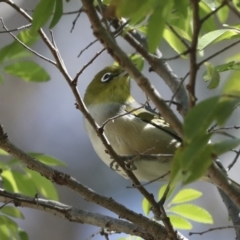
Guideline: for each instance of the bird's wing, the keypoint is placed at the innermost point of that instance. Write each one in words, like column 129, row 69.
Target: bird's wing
column 148, row 115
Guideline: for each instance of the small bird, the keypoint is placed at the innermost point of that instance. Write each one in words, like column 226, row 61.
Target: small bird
column 137, row 131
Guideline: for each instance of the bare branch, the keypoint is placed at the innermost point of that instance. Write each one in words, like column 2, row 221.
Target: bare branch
column 25, row 46
column 234, row 160
column 212, row 229
column 17, row 29
column 74, row 214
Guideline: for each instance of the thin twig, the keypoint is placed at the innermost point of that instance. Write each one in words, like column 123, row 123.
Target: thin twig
column 177, row 56
column 88, row 46
column 179, row 36
column 75, row 19
column 234, row 160
column 154, row 180
column 212, row 229
column 121, row 115
column 25, row 46
column 17, row 29
column 233, row 9
column 74, row 81
column 213, row 12
column 74, row 12
column 217, row 53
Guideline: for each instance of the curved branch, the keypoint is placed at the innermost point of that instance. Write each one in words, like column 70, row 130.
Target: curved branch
column 73, row 214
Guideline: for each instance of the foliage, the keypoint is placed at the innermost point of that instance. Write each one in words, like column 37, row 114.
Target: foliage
column 171, row 21
column 180, row 205
column 19, row 179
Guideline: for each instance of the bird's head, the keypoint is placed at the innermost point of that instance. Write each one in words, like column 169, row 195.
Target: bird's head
column 112, row 84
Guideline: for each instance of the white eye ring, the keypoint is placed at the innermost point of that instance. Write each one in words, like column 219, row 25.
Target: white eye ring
column 106, row 77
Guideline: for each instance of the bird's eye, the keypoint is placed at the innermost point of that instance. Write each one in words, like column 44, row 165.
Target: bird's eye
column 106, row 77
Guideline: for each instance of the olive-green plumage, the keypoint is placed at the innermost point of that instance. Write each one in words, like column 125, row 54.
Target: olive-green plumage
column 139, row 132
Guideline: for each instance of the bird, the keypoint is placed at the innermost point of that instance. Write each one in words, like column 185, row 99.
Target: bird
column 138, row 130
column 132, row 129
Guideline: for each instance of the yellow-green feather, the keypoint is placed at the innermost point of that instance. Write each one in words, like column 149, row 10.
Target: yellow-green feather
column 116, row 90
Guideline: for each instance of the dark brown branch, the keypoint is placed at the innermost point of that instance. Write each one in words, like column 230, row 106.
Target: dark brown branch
column 193, row 53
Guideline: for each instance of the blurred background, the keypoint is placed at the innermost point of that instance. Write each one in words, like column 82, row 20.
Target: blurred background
column 41, row 117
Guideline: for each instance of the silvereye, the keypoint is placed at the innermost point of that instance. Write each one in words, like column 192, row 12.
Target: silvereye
column 135, row 132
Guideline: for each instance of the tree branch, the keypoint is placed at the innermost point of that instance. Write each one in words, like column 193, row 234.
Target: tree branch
column 74, row 214
column 152, row 227
column 193, row 53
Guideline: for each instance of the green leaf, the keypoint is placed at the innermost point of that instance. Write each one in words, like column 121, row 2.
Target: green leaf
column 48, row 160
column 204, row 113
column 237, row 4
column 15, row 49
column 234, row 57
column 176, row 169
column 18, row 183
column 138, row 61
column 58, row 11
column 211, row 75
column 216, row 36
column 191, row 160
column 199, row 165
column 225, row 146
column 232, row 85
column 28, row 71
column 193, row 212
column 156, row 24
column 138, row 9
column 212, row 4
column 44, row 186
column 181, row 7
column 3, row 166
column 22, row 234
column 174, row 41
column 2, row 152
column 225, row 108
column 162, row 191
column 186, row 195
column 12, row 211
column 4, row 220
column 146, row 206
column 179, row 222
column 223, row 13
column 209, row 24
column 4, row 232
column 42, row 13
column 228, row 66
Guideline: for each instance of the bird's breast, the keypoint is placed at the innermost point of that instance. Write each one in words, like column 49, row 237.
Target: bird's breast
column 129, row 135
